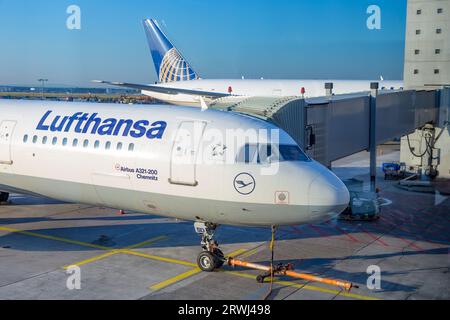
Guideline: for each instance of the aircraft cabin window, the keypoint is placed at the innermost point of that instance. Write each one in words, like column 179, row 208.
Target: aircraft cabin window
column 97, row 144
column 75, row 143
column 108, row 145
column 119, row 146
column 64, row 142
column 55, row 141
column 44, row 140
column 35, row 139
column 25, row 138
column 131, row 147
column 86, row 143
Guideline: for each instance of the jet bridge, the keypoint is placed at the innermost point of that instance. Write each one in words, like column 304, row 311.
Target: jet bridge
column 333, row 127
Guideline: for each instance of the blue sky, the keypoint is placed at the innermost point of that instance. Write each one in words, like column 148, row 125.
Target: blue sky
column 221, row 39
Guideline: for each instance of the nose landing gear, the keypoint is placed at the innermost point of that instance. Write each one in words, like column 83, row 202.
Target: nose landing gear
column 212, row 257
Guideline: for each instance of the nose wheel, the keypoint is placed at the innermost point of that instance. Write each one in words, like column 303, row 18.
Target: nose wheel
column 208, row 261
column 212, row 257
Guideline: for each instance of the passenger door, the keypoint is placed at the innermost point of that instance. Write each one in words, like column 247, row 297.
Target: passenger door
column 185, row 152
column 6, row 133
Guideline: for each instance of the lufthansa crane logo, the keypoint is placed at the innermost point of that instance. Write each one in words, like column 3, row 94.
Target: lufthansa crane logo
column 244, row 183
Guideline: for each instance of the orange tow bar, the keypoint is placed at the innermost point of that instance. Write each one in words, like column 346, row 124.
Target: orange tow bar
column 287, row 270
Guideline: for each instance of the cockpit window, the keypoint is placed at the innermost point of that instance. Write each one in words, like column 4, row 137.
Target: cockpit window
column 267, row 153
column 292, row 153
column 247, row 154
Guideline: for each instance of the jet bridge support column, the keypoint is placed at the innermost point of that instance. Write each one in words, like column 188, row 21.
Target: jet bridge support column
column 373, row 135
column 329, row 89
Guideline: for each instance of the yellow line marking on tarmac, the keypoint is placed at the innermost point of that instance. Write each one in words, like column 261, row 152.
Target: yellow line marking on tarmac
column 93, row 259
column 43, row 236
column 188, row 274
column 158, row 258
column 148, row 242
column 249, row 253
column 117, row 251
column 175, row 279
column 304, row 286
column 128, row 250
column 111, row 252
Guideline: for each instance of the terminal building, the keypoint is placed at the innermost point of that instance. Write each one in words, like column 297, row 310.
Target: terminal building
column 427, row 47
column 427, row 66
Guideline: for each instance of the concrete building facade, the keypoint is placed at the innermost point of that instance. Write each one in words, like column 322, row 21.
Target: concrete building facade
column 427, row 66
column 427, row 48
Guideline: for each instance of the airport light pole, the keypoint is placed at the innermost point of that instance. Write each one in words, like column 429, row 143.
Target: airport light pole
column 42, row 81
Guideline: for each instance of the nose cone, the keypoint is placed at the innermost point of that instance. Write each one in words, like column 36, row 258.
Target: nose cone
column 328, row 196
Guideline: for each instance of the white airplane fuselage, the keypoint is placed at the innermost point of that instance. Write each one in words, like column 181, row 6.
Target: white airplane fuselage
column 128, row 157
column 264, row 88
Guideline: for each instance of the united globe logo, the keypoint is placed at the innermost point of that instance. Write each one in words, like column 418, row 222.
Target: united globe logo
column 175, row 68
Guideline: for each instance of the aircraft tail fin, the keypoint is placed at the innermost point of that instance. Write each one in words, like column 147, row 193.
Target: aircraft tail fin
column 169, row 63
